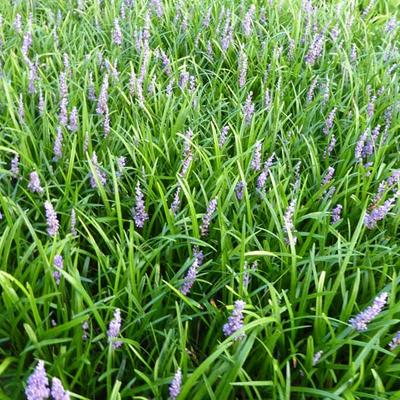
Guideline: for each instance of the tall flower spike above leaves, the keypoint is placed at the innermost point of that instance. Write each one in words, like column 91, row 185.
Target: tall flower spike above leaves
column 243, row 65
column 117, row 34
column 208, row 216
column 175, row 386
column 37, row 387
column 57, row 148
column 52, row 220
column 262, row 178
column 73, row 230
column 102, row 103
column 235, row 321
column 247, row 20
column 288, row 222
column 192, row 273
column 73, row 120
column 15, row 166
column 256, row 161
column 34, row 183
column 360, row 322
column 114, row 329
column 139, row 212
column 248, row 109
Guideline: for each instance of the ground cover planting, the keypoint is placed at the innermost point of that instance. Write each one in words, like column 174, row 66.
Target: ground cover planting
column 199, row 200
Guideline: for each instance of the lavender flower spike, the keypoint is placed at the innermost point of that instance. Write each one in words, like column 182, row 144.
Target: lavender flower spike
column 235, row 321
column 248, row 108
column 15, row 166
column 73, row 230
column 328, row 176
column 117, row 35
column 52, row 220
column 58, row 264
column 208, row 216
column 378, row 213
column 256, row 161
column 265, row 172
column 336, row 213
column 57, row 148
column 57, row 390
column 361, row 321
column 114, row 328
column 317, row 357
column 239, row 189
column 329, row 121
column 192, row 273
column 176, row 202
column 175, row 386
column 288, row 222
column 34, row 183
column 37, row 387
column 139, row 213
column 395, row 341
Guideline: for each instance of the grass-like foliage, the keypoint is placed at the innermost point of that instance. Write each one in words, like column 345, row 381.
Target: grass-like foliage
column 199, row 199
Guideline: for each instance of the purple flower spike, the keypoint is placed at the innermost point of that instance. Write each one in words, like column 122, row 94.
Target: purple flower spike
column 315, row 50
column 330, row 147
column 102, row 103
column 117, row 35
column 288, row 222
column 139, row 213
column 248, row 108
column 58, row 264
column 34, row 183
column 101, row 176
column 114, row 329
column 329, row 121
column 73, row 120
column 235, row 321
column 57, row 148
column 239, row 190
column 37, row 387
column 328, row 176
column 175, row 386
column 247, row 21
column 74, row 233
column 395, row 341
column 176, row 202
column 336, row 214
column 223, row 135
column 310, row 93
column 52, row 220
column 192, row 273
column 208, row 216
column 15, row 166
column 360, row 322
column 57, row 390
column 317, row 357
column 85, row 330
column 243, row 65
column 378, row 213
column 256, row 161
column 41, row 105
column 63, row 116
column 262, row 178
